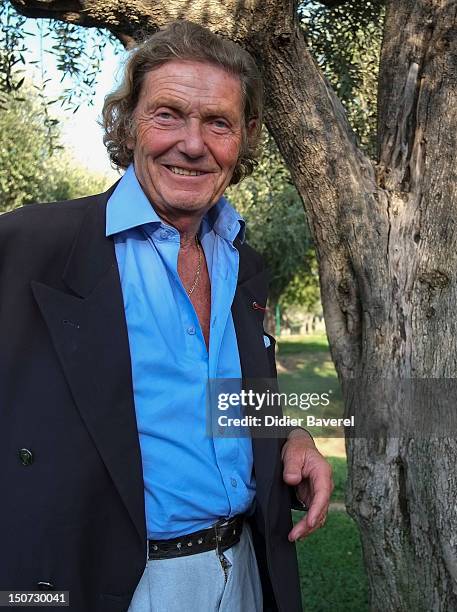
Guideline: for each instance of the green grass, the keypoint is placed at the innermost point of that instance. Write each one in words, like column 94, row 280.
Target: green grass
column 309, row 369
column 330, row 561
column 332, row 575
column 299, row 344
column 340, row 473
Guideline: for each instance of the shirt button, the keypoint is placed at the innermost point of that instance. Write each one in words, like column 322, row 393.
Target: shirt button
column 233, row 482
column 164, row 234
column 191, row 330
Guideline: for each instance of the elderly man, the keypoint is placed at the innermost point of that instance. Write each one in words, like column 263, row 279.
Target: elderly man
column 115, row 311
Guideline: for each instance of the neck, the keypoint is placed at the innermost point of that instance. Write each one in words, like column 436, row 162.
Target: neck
column 187, row 227
column 187, row 238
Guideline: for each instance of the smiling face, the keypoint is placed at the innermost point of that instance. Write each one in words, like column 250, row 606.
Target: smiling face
column 188, row 124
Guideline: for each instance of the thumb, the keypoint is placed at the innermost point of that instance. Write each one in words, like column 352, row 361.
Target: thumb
column 292, row 473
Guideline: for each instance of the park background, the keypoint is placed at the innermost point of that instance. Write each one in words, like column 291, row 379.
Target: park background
column 52, row 149
column 54, row 76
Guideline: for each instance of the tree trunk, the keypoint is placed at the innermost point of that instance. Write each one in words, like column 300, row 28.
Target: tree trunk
column 403, row 485
column 387, row 255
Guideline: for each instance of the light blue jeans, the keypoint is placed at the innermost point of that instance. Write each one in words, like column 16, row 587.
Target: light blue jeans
column 199, row 583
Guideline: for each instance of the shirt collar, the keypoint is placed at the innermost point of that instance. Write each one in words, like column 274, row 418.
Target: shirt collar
column 129, row 207
column 225, row 221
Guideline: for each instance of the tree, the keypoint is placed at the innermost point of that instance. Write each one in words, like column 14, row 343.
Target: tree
column 345, row 40
column 276, row 227
column 386, row 245
column 32, row 167
column 24, row 151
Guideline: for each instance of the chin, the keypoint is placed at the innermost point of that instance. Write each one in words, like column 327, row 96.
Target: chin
column 192, row 203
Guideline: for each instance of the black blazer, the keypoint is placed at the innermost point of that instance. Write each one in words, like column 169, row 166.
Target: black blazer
column 72, row 509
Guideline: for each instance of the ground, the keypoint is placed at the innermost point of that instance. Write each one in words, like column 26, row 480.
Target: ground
column 330, row 560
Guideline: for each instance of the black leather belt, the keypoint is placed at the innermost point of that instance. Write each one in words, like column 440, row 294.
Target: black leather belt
column 221, row 536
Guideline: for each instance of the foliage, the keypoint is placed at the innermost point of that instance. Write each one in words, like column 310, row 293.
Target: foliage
column 69, row 180
column 276, row 225
column 30, row 170
column 346, row 41
column 32, row 166
column 12, row 49
column 303, row 289
column 12, row 61
column 24, row 151
column 78, row 51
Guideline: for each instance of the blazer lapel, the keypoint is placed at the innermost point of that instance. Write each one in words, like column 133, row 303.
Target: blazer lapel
column 89, row 333
column 251, row 291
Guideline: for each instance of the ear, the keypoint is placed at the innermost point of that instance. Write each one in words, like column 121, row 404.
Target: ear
column 252, row 127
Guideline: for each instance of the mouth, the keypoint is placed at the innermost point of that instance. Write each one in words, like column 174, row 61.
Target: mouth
column 185, row 171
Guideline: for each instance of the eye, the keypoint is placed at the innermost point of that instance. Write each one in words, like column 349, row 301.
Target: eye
column 220, row 124
column 164, row 115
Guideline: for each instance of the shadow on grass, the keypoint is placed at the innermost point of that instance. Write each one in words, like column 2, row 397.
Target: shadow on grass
column 291, row 347
column 305, row 366
column 300, row 344
column 332, row 575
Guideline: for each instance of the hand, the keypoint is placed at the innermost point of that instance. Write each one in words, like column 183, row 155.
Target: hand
column 311, row 474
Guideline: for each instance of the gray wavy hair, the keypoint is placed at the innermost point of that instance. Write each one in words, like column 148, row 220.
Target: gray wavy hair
column 187, row 41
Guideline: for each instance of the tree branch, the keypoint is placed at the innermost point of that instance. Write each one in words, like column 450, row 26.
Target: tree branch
column 232, row 18
column 333, row 3
column 335, row 180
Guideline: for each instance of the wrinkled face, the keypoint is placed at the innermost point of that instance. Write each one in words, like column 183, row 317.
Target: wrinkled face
column 188, row 124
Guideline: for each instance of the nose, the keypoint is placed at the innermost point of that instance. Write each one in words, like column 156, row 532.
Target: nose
column 192, row 143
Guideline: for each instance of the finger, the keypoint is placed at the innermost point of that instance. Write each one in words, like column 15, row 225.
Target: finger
column 302, row 529
column 318, row 507
column 299, row 530
column 293, row 465
column 304, row 494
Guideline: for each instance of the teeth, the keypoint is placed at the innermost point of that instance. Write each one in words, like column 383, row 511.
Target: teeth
column 185, row 172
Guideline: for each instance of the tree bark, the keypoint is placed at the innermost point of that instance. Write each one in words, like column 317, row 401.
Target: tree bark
column 386, row 245
column 402, row 486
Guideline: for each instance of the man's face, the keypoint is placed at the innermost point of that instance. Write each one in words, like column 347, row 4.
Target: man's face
column 188, row 124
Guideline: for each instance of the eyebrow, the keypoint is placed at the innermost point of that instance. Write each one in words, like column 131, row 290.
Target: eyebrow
column 174, row 103
column 166, row 101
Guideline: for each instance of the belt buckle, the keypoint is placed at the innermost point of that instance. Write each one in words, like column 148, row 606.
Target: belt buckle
column 220, row 523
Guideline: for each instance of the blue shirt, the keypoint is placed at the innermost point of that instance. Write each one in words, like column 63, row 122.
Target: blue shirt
column 190, row 479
